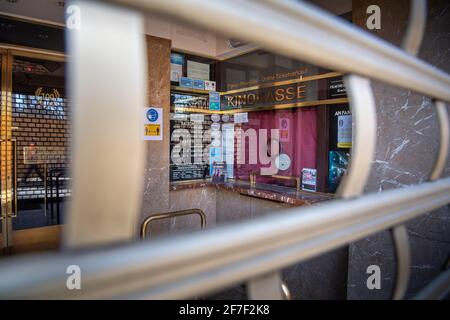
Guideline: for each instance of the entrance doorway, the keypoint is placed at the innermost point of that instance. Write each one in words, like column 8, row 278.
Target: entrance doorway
column 34, row 151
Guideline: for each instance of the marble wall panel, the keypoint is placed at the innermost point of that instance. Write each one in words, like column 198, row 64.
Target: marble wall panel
column 407, row 145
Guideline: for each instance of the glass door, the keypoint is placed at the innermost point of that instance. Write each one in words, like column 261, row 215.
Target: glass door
column 3, row 196
column 35, row 152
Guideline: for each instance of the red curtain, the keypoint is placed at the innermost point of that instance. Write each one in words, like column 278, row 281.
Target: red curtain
column 298, row 139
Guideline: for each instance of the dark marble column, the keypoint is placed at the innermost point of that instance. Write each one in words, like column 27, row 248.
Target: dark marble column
column 406, row 148
column 155, row 198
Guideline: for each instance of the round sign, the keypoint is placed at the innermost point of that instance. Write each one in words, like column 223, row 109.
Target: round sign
column 215, row 117
column 283, row 162
column 215, row 126
column 225, row 118
column 152, row 115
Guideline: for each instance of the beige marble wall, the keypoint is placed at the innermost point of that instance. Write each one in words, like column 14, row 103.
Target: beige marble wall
column 220, row 206
column 407, row 144
column 198, row 198
column 233, row 207
column 156, row 185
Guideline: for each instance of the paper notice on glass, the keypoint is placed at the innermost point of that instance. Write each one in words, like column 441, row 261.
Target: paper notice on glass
column 197, row 70
column 176, row 66
column 344, row 134
column 241, row 117
column 210, row 85
column 214, row 100
column 197, row 117
column 153, row 124
column 284, row 129
column 176, row 71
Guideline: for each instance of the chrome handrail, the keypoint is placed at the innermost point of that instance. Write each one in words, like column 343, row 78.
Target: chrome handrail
column 168, row 215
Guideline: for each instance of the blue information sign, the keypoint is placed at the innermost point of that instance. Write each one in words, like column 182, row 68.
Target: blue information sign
column 214, row 100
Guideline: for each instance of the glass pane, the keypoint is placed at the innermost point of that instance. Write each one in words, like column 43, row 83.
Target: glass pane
column 41, row 128
column 1, row 162
column 258, row 117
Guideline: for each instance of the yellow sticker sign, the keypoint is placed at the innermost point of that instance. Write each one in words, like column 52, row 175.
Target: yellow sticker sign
column 344, row 144
column 152, row 130
column 153, row 123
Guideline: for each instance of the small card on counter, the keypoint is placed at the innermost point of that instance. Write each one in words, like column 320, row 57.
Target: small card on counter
column 309, row 179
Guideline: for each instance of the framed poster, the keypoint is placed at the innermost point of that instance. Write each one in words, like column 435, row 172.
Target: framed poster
column 197, row 70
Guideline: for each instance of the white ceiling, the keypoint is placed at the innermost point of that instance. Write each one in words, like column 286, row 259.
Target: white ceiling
column 51, row 10
column 190, row 40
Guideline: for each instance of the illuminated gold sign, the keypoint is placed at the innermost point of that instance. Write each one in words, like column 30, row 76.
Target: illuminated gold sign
column 49, row 98
column 266, row 96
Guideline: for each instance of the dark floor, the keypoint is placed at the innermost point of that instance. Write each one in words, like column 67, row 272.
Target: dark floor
column 31, row 214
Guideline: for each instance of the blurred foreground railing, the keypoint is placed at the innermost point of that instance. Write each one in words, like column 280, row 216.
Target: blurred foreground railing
column 201, row 262
column 251, row 252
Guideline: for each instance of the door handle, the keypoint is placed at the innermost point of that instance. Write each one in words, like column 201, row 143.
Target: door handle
column 14, row 143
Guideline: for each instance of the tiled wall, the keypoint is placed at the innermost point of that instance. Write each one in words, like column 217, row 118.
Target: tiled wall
column 45, row 123
column 40, row 116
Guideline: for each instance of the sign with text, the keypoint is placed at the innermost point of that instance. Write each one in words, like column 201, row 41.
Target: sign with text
column 284, row 129
column 176, row 66
column 344, row 134
column 270, row 95
column 197, row 70
column 309, row 179
column 214, row 100
column 153, row 124
column 241, row 117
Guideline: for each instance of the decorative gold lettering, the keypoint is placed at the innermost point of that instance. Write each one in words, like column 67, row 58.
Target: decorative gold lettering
column 279, row 95
column 300, row 91
column 251, row 98
column 290, row 93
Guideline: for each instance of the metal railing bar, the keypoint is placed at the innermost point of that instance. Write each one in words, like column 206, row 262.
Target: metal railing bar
column 323, row 19
column 438, row 289
column 364, row 130
column 416, row 26
column 444, row 141
column 347, row 49
column 411, row 43
column 183, row 267
column 403, row 254
column 233, row 274
column 101, row 68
